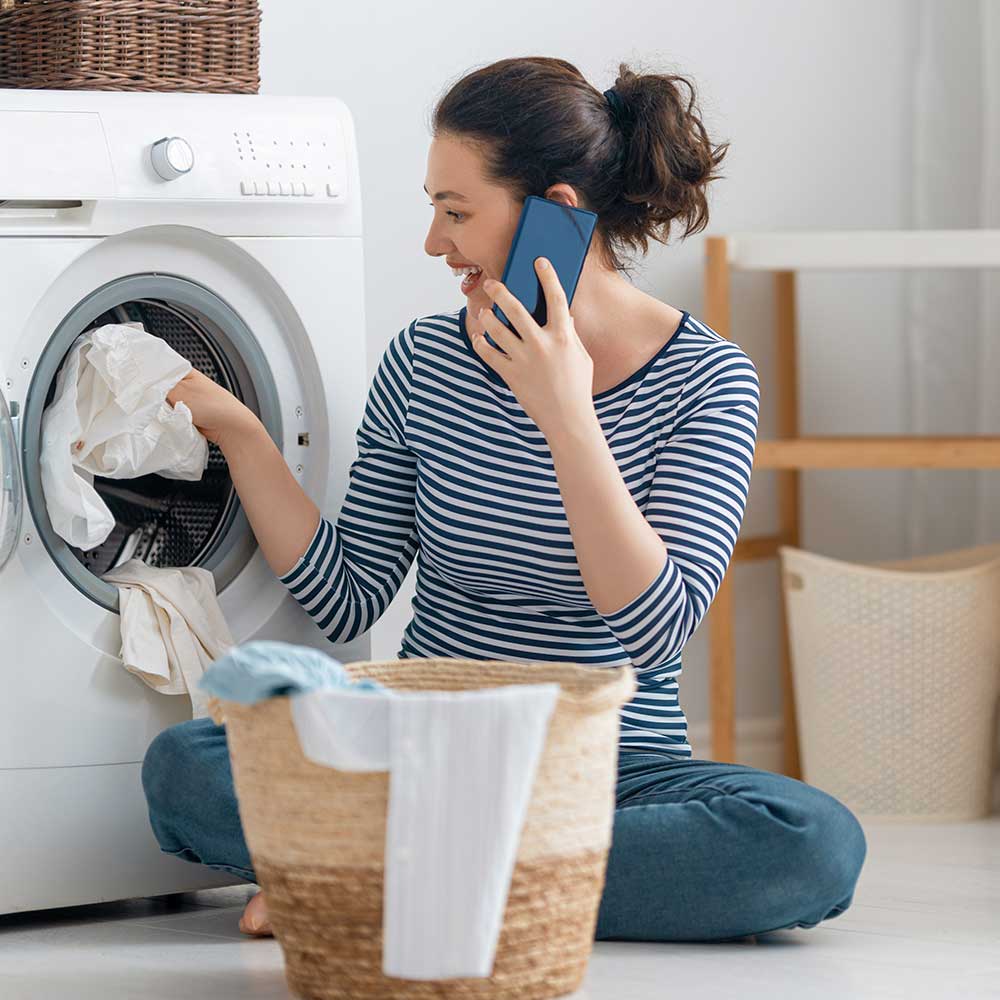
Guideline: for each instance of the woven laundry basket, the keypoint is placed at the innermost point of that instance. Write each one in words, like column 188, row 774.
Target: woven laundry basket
column 210, row 46
column 317, row 837
column 896, row 670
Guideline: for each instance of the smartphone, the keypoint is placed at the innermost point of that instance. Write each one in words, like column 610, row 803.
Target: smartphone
column 548, row 229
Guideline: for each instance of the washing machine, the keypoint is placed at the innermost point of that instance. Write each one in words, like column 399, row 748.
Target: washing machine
column 230, row 226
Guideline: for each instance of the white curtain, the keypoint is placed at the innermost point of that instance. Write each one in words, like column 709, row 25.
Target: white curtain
column 952, row 328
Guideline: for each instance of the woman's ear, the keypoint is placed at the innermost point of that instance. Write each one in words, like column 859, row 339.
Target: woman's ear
column 563, row 193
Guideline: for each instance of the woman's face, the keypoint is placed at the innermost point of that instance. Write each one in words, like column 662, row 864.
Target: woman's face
column 473, row 221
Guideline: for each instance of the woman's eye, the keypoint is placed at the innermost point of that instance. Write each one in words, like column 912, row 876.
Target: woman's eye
column 456, row 214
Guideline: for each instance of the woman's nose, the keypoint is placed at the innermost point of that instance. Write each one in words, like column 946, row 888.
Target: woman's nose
column 435, row 246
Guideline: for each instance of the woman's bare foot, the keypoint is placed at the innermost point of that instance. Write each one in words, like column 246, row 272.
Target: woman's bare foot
column 254, row 920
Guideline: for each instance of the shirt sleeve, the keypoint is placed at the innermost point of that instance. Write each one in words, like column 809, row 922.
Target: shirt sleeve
column 696, row 504
column 351, row 570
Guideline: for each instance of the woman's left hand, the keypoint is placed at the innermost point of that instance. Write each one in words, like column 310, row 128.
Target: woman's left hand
column 548, row 369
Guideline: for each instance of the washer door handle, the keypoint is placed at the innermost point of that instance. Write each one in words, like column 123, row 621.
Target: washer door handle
column 10, row 482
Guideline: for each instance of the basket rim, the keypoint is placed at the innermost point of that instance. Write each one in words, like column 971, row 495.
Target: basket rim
column 603, row 680
column 617, row 684
column 878, row 569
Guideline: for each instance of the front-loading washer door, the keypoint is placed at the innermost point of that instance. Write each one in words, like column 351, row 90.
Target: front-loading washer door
column 10, row 486
column 161, row 521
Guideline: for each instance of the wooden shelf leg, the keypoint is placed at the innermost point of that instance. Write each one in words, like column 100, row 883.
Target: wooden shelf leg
column 721, row 673
column 788, row 489
column 721, row 652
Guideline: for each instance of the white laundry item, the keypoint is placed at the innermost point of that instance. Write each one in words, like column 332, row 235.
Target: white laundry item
column 110, row 417
column 462, row 766
column 172, row 627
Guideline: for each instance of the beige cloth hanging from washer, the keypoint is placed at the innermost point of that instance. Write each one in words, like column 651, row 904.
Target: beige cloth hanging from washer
column 172, row 627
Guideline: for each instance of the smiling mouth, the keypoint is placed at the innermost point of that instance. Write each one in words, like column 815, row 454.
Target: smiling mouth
column 471, row 280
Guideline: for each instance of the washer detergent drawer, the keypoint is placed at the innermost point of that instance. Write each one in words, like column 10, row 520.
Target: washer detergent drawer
column 10, row 486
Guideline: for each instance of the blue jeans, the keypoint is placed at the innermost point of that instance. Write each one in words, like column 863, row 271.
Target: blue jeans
column 701, row 850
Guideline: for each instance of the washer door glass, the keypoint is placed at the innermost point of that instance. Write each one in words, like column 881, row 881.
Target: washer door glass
column 10, row 486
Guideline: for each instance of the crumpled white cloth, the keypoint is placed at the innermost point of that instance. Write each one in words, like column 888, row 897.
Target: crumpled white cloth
column 462, row 767
column 110, row 417
column 172, row 627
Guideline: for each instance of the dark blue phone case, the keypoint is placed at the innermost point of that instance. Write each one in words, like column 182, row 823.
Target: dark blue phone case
column 545, row 229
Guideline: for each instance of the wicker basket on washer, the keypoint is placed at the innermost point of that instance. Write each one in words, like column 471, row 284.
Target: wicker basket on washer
column 210, row 46
column 896, row 671
column 316, row 836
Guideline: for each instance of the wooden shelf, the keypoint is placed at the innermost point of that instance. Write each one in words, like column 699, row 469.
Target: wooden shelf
column 784, row 254
column 879, row 453
column 765, row 547
column 862, row 249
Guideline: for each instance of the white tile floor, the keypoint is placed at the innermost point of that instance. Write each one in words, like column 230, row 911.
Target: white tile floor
column 925, row 923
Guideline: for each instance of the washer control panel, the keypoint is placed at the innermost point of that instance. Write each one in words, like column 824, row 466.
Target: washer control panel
column 259, row 156
column 290, row 165
column 127, row 153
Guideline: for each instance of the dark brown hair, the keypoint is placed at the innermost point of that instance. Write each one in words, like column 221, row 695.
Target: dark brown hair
column 538, row 122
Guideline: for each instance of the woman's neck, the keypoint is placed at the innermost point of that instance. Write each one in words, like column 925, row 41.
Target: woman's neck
column 604, row 306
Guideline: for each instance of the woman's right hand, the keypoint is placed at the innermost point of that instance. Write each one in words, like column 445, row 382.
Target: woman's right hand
column 215, row 411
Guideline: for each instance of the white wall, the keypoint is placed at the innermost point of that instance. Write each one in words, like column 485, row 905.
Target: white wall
column 814, row 98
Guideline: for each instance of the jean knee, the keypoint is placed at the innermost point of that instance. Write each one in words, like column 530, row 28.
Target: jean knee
column 157, row 764
column 834, row 848
column 168, row 762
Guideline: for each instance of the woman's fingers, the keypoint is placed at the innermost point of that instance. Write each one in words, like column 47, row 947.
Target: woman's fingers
column 490, row 355
column 214, row 409
column 556, row 306
column 179, row 391
column 505, row 339
column 512, row 307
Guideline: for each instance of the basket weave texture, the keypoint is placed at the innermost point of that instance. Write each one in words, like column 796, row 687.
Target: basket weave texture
column 896, row 670
column 317, row 837
column 210, row 46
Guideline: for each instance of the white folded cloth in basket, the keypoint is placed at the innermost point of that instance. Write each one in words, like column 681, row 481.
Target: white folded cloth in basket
column 109, row 417
column 172, row 627
column 462, row 766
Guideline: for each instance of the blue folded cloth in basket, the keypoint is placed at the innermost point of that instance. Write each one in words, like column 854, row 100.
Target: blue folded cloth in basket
column 266, row 668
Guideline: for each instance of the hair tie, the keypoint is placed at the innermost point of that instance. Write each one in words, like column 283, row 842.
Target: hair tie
column 617, row 106
column 615, row 100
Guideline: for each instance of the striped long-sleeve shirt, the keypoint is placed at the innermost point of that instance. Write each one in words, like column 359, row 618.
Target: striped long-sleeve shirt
column 450, row 466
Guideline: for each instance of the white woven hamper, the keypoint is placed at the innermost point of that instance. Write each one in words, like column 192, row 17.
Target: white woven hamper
column 896, row 669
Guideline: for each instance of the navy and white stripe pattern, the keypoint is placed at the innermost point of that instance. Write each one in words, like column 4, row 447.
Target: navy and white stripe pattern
column 449, row 465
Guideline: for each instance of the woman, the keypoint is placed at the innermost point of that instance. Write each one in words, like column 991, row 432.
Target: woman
column 575, row 494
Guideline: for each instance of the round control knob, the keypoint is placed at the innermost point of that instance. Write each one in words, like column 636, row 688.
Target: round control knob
column 172, row 157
